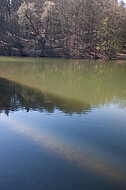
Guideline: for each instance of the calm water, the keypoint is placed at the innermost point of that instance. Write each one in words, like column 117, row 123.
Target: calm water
column 62, row 124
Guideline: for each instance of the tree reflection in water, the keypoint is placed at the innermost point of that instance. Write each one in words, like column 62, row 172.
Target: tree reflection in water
column 14, row 97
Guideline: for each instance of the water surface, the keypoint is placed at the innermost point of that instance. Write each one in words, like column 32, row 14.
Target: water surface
column 62, row 124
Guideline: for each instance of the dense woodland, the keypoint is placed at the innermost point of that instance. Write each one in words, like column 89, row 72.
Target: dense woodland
column 62, row 28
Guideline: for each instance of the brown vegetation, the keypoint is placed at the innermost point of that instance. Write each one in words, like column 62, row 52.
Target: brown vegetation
column 67, row 28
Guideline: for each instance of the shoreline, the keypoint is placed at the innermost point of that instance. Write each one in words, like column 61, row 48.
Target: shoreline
column 118, row 57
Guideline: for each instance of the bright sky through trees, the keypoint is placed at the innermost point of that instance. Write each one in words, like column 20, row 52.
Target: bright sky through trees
column 123, row 1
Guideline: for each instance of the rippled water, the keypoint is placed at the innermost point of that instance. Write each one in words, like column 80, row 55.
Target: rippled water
column 62, row 124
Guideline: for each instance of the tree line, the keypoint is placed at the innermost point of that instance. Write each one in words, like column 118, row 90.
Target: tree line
column 62, row 28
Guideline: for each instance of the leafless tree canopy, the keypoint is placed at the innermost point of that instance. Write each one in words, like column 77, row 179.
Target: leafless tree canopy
column 62, row 28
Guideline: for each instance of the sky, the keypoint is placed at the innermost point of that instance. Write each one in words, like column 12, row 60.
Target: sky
column 123, row 1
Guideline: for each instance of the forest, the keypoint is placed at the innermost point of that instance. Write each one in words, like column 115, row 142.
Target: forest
column 62, row 28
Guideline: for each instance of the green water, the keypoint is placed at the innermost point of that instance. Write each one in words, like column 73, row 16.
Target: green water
column 62, row 124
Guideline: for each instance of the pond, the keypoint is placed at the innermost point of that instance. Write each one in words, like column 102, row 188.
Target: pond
column 62, row 124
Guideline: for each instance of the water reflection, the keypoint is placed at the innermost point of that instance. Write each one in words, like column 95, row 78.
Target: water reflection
column 93, row 143
column 81, row 156
column 70, row 85
column 14, row 96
